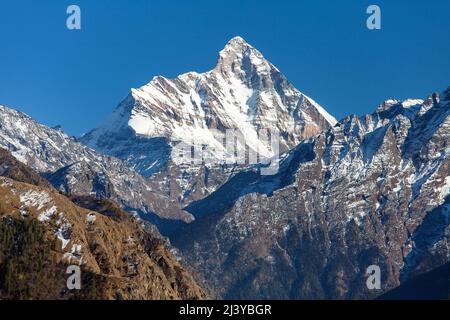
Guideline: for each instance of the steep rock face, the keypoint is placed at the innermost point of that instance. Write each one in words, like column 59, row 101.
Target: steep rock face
column 43, row 232
column 244, row 92
column 10, row 167
column 373, row 190
column 76, row 169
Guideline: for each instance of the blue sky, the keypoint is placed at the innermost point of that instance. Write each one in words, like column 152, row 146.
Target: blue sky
column 76, row 78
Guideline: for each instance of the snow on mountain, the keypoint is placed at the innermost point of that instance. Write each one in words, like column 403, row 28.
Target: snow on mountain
column 244, row 92
column 371, row 190
column 96, row 235
column 76, row 169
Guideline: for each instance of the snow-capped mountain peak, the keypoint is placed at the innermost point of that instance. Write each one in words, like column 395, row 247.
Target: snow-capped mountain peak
column 238, row 56
column 244, row 92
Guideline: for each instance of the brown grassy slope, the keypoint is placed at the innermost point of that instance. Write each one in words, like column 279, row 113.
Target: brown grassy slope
column 119, row 260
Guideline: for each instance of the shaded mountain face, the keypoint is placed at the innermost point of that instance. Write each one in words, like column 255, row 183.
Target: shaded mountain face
column 432, row 285
column 244, row 94
column 75, row 169
column 373, row 190
column 43, row 232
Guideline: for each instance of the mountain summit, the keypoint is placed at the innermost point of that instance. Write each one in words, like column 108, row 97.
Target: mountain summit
column 237, row 53
column 244, row 92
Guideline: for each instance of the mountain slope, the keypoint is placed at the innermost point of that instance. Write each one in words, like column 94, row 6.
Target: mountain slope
column 10, row 167
column 371, row 190
column 43, row 232
column 244, row 92
column 76, row 169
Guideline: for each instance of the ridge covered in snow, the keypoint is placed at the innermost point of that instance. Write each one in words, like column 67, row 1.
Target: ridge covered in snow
column 244, row 92
column 241, row 112
column 75, row 168
column 372, row 190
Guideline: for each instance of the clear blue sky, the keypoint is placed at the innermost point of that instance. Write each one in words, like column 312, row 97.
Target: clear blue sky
column 76, row 78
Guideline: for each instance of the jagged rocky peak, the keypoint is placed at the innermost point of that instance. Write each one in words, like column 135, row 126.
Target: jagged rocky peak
column 372, row 190
column 243, row 92
column 238, row 56
column 387, row 104
column 58, row 127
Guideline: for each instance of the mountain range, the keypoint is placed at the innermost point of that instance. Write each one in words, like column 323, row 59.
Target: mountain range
column 367, row 190
column 43, row 232
column 373, row 190
column 244, row 92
